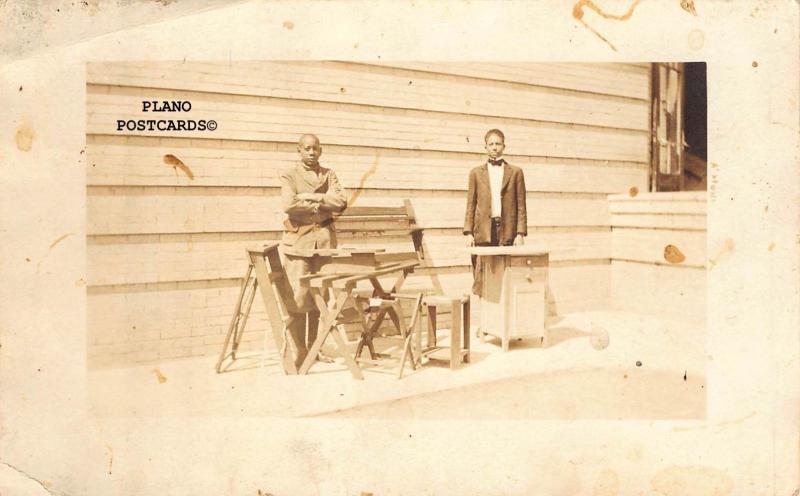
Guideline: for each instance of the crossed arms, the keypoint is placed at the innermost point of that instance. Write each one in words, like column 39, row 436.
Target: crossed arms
column 294, row 203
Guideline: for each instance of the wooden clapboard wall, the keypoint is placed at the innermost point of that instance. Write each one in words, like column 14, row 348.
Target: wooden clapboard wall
column 165, row 250
column 659, row 256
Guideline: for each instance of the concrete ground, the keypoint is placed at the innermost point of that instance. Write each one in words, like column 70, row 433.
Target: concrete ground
column 567, row 380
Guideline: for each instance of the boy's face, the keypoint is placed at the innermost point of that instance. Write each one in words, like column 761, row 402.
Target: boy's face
column 309, row 150
column 495, row 146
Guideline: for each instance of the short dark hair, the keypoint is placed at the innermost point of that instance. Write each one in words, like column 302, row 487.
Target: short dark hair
column 307, row 135
column 494, row 131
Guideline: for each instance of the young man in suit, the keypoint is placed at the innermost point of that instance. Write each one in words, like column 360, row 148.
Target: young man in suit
column 496, row 203
column 310, row 195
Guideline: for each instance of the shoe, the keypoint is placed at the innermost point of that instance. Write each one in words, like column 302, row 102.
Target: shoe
column 322, row 357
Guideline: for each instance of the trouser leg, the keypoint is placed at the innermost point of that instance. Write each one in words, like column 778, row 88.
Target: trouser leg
column 495, row 233
column 476, row 280
column 296, row 267
column 297, row 331
column 478, row 268
column 313, row 324
column 317, row 265
column 477, row 265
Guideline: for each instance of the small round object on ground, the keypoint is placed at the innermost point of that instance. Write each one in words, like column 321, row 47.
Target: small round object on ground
column 599, row 338
column 638, row 363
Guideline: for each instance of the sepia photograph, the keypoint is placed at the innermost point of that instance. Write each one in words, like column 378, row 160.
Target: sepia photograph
column 400, row 247
column 506, row 240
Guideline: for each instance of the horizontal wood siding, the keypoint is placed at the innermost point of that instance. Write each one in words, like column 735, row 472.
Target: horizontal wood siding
column 165, row 250
column 648, row 231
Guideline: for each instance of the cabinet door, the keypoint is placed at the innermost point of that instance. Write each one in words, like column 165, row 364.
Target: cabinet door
column 526, row 297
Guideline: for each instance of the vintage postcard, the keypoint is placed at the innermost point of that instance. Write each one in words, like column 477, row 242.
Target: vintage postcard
column 400, row 248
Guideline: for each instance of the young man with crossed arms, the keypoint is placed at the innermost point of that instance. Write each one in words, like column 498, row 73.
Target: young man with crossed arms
column 310, row 195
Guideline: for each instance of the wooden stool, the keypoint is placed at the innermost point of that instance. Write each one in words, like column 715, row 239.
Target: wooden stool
column 459, row 330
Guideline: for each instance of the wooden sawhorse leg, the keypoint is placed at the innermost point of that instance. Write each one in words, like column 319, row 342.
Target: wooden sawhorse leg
column 431, row 325
column 266, row 281
column 236, row 326
column 368, row 334
column 413, row 328
column 328, row 325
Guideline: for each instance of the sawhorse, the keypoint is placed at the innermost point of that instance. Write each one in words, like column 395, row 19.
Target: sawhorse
column 333, row 292
column 270, row 281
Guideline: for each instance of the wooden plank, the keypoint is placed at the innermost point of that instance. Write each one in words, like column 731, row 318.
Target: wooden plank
column 396, row 257
column 616, row 79
column 649, row 245
column 362, row 224
column 140, row 161
column 688, row 207
column 696, row 196
column 543, row 210
column 337, row 82
column 660, row 221
column 257, row 119
column 678, row 209
column 131, row 260
column 207, row 210
column 373, row 211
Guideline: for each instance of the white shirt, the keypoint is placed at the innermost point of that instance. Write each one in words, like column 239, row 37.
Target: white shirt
column 495, row 184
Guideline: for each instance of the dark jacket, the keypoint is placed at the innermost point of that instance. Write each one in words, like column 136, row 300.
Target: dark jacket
column 514, row 216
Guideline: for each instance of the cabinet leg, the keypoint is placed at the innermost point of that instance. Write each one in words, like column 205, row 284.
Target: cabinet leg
column 418, row 338
column 505, row 343
column 455, row 335
column 465, row 308
column 431, row 325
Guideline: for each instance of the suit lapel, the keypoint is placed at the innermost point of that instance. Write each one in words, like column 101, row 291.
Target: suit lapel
column 506, row 177
column 483, row 176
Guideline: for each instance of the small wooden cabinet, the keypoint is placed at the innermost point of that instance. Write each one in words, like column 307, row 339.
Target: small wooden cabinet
column 512, row 303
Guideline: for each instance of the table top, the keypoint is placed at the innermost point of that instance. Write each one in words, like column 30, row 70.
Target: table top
column 324, row 252
column 521, row 250
column 345, row 277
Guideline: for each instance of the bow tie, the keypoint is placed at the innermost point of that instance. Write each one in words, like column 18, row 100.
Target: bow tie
column 496, row 162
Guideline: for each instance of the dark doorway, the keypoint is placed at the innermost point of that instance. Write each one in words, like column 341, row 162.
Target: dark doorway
column 695, row 125
column 679, row 126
